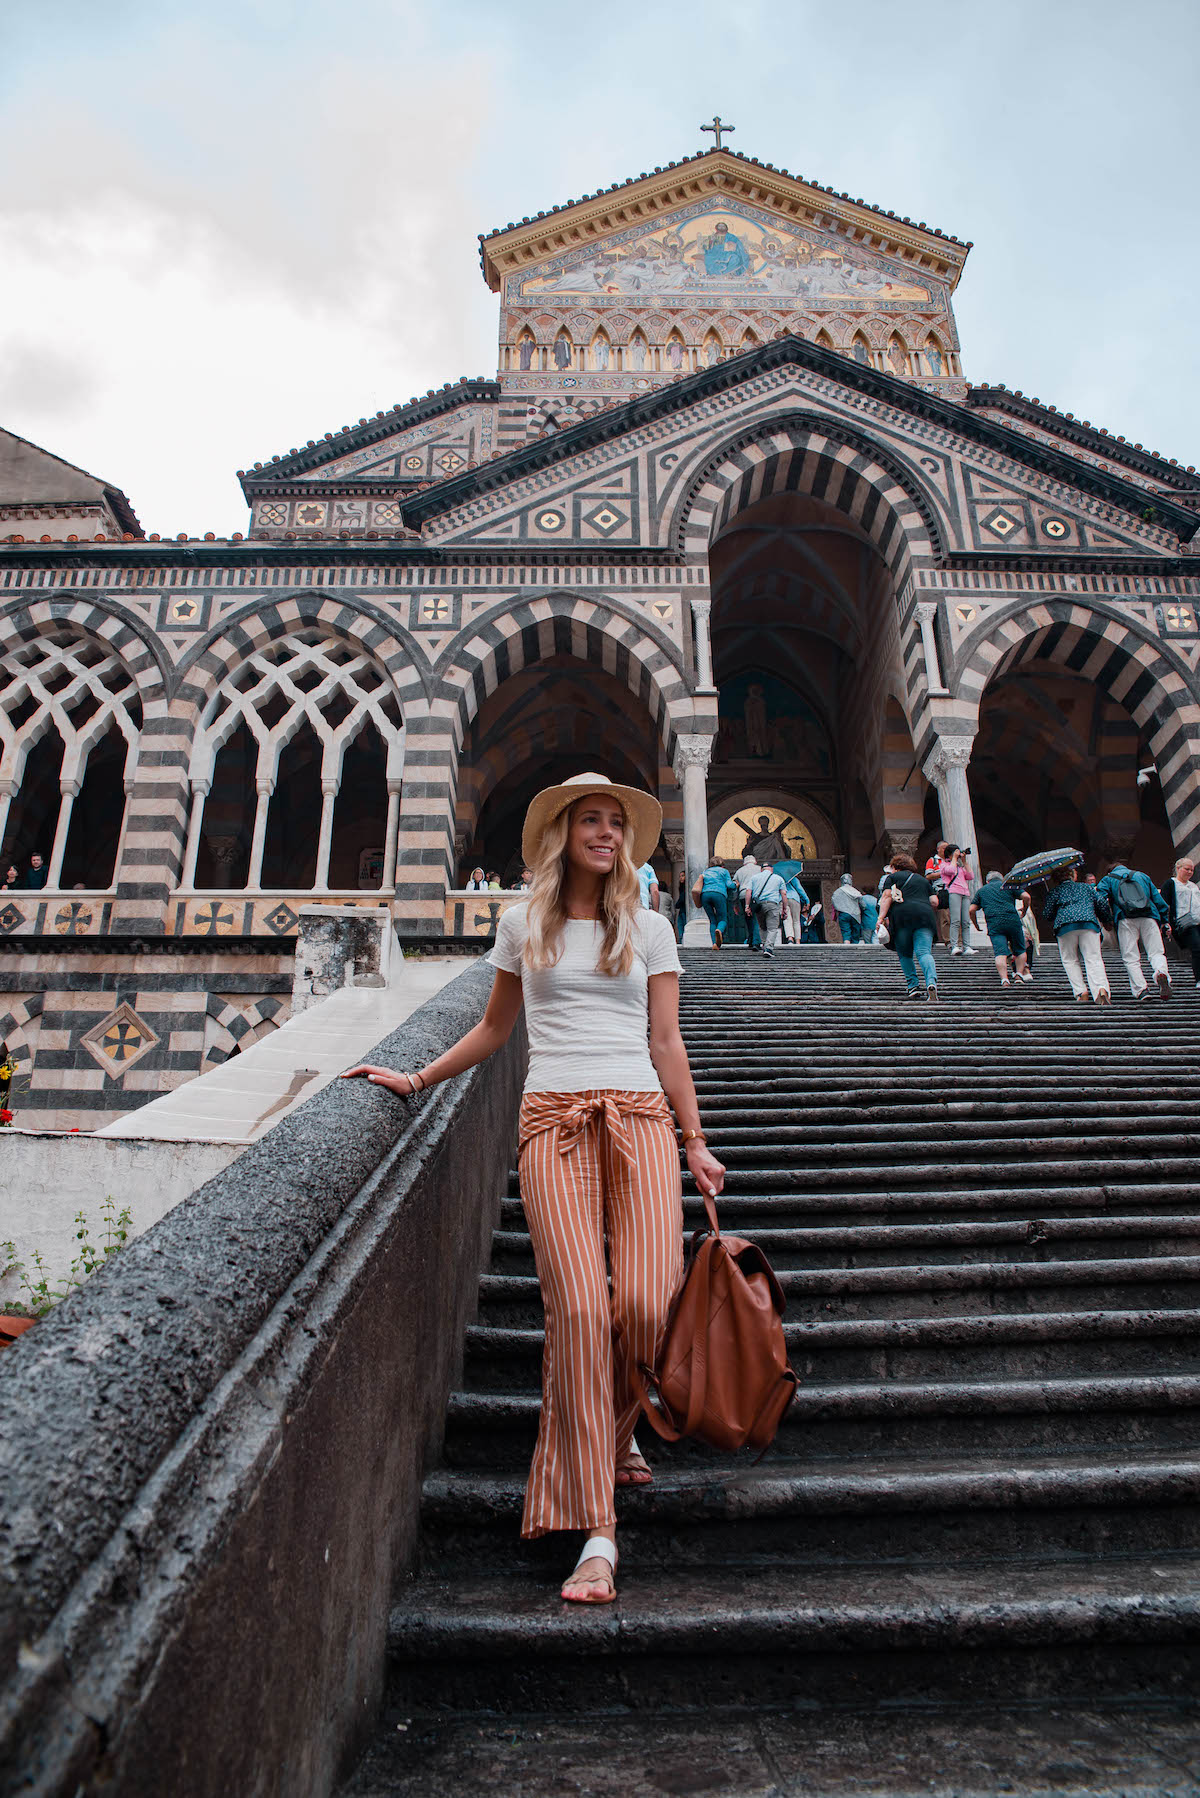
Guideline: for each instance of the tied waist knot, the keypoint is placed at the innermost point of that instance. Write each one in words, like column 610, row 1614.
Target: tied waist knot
column 574, row 1114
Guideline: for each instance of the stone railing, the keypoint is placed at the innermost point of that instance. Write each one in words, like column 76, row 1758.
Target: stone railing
column 211, row 1454
column 475, row 914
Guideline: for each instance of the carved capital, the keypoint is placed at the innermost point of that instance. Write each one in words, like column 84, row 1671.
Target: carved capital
column 674, row 846
column 925, row 611
column 692, row 752
column 947, row 753
column 701, row 608
column 900, row 842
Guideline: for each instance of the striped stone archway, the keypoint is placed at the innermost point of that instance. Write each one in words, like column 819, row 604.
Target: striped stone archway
column 120, row 637
column 806, row 455
column 1133, row 668
column 511, row 636
column 518, row 634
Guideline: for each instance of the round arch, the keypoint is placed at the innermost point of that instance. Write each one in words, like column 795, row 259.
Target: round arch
column 805, row 453
column 1136, row 670
column 597, row 629
column 112, row 628
column 805, row 811
column 256, row 625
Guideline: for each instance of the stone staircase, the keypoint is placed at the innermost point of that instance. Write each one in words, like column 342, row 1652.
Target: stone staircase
column 985, row 1216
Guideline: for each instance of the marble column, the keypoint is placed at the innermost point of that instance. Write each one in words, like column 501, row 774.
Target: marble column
column 259, row 840
column 389, row 833
column 925, row 612
column 70, row 792
column 200, row 791
column 692, row 756
column 946, row 767
column 704, row 672
column 329, row 793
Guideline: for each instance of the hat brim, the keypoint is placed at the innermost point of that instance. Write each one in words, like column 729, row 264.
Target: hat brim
column 642, row 812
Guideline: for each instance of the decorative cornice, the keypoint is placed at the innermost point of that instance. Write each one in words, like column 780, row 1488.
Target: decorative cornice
column 1086, row 436
column 579, row 222
column 787, row 350
column 401, row 417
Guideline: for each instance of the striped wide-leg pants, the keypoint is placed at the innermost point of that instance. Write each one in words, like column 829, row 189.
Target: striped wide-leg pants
column 596, row 1164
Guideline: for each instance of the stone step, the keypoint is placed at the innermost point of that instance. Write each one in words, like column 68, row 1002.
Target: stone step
column 849, row 1121
column 875, row 1512
column 771, row 1130
column 842, row 1749
column 779, row 1635
column 1004, row 1345
column 1025, row 1241
column 925, row 1289
column 930, row 1416
column 763, row 1152
column 742, row 1210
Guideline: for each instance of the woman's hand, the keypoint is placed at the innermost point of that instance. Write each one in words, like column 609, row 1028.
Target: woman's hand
column 395, row 1083
column 704, row 1167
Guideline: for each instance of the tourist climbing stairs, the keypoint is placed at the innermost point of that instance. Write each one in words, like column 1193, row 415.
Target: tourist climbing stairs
column 985, row 1215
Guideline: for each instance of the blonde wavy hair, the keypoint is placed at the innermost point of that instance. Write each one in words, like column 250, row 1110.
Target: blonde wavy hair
column 547, row 913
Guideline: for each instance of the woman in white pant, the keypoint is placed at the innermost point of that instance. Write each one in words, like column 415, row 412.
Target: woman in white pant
column 1070, row 910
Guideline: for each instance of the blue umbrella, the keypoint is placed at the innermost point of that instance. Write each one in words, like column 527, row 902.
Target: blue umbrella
column 1042, row 866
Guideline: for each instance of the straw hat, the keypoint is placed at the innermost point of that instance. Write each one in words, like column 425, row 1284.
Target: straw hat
column 642, row 813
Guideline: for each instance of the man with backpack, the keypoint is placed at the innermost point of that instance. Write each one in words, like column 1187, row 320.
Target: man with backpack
column 765, row 893
column 1138, row 910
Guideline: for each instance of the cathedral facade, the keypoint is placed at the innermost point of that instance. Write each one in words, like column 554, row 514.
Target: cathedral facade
column 729, row 522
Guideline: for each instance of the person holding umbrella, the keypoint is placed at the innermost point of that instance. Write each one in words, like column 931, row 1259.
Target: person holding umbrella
column 1073, row 914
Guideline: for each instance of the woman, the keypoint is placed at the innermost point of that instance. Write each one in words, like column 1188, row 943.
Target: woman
column 1072, row 913
column 599, row 979
column 1183, row 911
column 477, row 883
column 954, row 872
column 712, row 894
column 906, row 911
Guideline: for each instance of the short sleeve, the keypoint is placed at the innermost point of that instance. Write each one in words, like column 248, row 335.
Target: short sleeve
column 510, row 940
column 662, row 954
column 977, row 897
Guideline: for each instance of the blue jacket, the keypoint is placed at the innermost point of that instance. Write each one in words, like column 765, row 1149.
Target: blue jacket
column 1107, row 890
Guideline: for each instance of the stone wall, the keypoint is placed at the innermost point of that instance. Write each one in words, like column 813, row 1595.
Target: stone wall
column 229, row 1425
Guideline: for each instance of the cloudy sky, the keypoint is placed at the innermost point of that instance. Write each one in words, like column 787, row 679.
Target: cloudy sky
column 227, row 226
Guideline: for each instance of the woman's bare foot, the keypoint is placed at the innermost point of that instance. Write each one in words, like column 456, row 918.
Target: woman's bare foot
column 633, row 1468
column 592, row 1579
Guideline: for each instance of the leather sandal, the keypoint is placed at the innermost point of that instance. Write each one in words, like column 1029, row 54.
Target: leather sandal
column 596, row 1548
column 633, row 1469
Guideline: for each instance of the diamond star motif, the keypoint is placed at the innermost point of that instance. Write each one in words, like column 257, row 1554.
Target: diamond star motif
column 450, row 461
column 550, row 521
column 1001, row 525
column 605, row 518
column 11, row 918
column 435, row 610
column 119, row 1040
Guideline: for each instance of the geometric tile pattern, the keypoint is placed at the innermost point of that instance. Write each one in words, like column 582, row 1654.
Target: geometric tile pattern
column 119, row 1041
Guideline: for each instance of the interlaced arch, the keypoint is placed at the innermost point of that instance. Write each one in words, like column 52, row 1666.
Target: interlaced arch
column 70, row 691
column 309, row 686
column 326, row 682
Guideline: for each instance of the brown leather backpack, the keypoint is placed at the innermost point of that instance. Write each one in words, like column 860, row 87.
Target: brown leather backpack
column 722, row 1372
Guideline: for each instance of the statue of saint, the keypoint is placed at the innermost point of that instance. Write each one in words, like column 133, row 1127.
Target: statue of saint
column 755, row 711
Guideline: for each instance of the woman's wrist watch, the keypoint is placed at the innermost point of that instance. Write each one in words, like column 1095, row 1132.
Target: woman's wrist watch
column 693, row 1136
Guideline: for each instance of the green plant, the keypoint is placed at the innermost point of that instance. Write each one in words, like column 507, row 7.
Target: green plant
column 41, row 1296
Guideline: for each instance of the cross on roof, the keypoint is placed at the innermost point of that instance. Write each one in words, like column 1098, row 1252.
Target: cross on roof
column 716, row 128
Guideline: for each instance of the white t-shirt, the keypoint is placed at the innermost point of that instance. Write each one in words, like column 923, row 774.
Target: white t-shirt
column 588, row 1030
